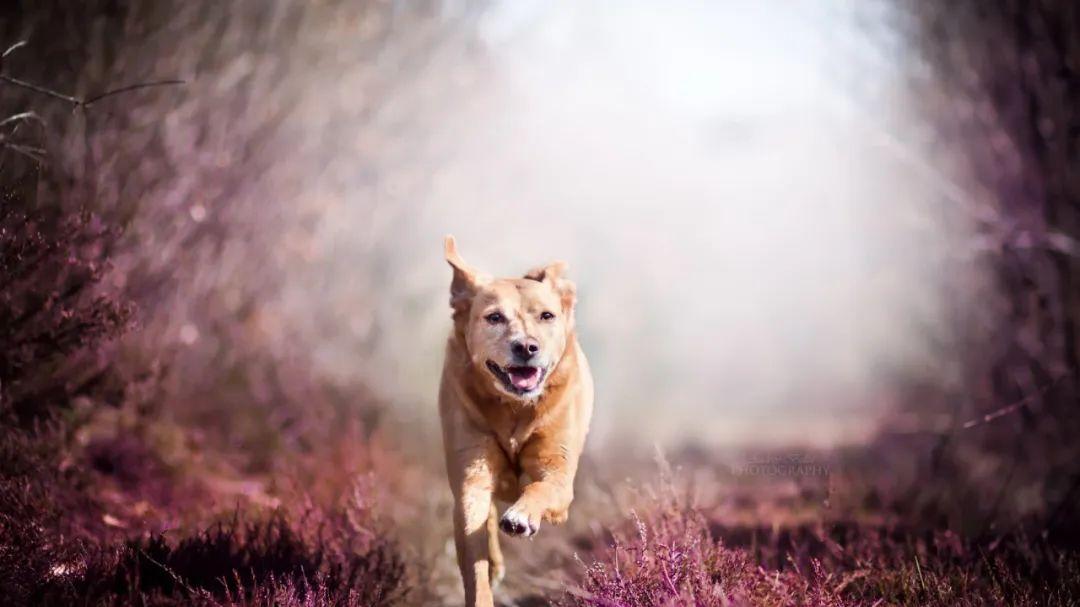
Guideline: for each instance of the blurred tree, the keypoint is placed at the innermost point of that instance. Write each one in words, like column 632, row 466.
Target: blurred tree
column 1004, row 98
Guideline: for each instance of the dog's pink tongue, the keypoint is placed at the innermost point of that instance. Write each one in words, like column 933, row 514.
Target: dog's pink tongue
column 524, row 378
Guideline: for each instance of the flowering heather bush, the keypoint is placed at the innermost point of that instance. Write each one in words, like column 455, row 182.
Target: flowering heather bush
column 61, row 537
column 866, row 563
column 53, row 323
column 674, row 554
column 335, row 556
column 318, row 559
column 51, row 307
column 671, row 558
column 34, row 496
column 675, row 561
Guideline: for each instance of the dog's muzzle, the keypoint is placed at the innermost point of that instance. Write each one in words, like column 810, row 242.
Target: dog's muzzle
column 518, row 379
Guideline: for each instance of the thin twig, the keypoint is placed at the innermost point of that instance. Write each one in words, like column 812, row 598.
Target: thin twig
column 6, row 143
column 667, row 578
column 13, row 48
column 130, row 87
column 38, row 154
column 918, row 569
column 1023, row 402
column 75, row 101
column 24, row 116
column 35, row 154
column 173, row 574
column 40, row 89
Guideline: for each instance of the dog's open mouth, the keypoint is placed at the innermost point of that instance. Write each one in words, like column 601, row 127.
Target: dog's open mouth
column 518, row 379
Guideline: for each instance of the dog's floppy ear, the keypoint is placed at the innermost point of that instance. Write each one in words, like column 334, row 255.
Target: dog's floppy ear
column 466, row 278
column 552, row 274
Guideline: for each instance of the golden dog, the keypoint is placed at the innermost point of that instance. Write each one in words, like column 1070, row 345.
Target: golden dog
column 515, row 401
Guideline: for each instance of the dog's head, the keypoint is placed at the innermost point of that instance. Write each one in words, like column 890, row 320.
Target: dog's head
column 515, row 329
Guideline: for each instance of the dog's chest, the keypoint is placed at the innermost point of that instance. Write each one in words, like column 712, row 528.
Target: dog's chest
column 513, row 434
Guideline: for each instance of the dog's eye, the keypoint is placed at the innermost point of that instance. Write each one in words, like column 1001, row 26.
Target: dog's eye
column 546, row 315
column 495, row 318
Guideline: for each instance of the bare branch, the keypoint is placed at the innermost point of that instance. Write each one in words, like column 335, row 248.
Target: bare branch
column 13, row 48
column 130, row 87
column 1016, row 406
column 75, row 101
column 40, row 89
column 23, row 117
column 34, row 153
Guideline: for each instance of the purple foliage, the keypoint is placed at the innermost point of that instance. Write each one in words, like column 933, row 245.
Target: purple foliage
column 34, row 499
column 670, row 558
column 53, row 321
column 673, row 554
column 277, row 561
column 51, row 306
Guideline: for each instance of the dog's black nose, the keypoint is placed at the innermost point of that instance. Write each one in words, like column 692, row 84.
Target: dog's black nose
column 525, row 349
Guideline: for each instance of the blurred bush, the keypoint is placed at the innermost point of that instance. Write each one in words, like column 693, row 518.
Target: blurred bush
column 672, row 551
column 52, row 307
column 154, row 208
column 320, row 557
column 57, row 327
column 997, row 85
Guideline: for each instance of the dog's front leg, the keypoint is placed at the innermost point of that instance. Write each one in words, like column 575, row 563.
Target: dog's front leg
column 473, row 473
column 551, row 468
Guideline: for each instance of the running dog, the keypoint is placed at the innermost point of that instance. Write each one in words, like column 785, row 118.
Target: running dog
column 515, row 401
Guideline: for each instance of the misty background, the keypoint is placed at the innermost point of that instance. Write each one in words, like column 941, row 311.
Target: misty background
column 732, row 183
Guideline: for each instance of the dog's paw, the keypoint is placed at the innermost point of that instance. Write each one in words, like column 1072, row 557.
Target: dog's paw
column 516, row 522
column 557, row 517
